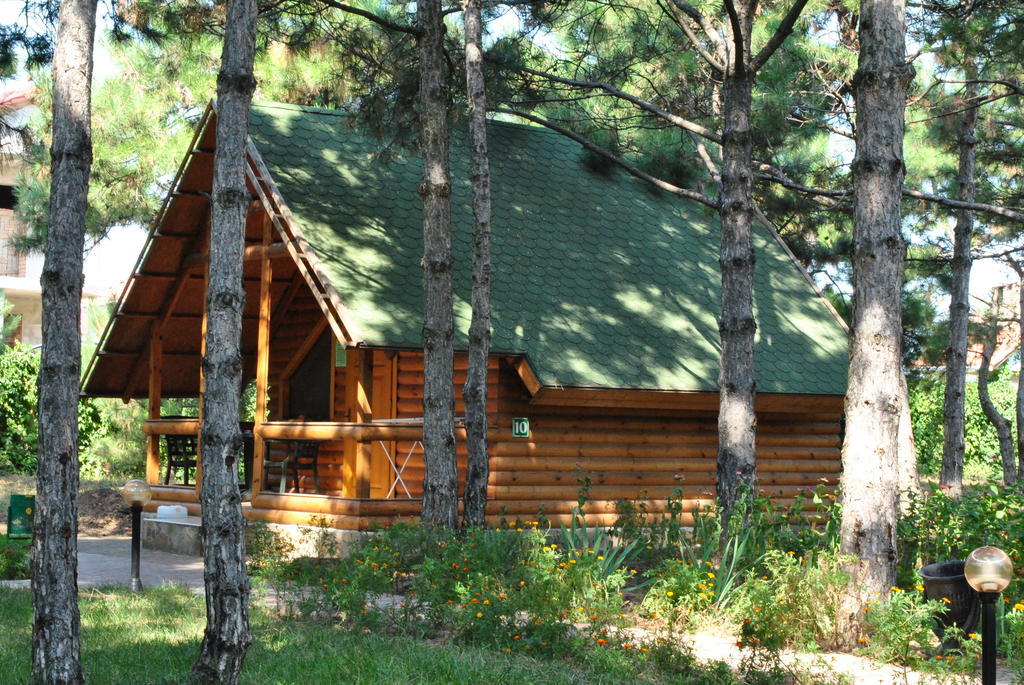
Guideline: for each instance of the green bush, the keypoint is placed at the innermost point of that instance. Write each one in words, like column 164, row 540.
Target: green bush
column 981, row 445
column 19, row 424
column 14, row 559
column 19, row 427
column 901, row 632
column 793, row 603
column 940, row 528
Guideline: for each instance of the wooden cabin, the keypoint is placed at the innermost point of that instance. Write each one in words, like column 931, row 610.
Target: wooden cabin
column 605, row 344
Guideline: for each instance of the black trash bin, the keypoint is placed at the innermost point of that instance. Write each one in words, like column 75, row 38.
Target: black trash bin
column 945, row 579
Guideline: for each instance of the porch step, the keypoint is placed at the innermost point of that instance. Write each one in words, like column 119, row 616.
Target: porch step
column 177, row 535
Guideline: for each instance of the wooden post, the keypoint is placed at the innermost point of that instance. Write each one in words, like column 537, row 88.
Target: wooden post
column 262, row 360
column 383, row 401
column 358, row 398
column 156, row 358
column 202, row 379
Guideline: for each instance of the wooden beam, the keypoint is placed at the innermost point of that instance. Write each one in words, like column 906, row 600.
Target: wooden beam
column 359, row 401
column 287, row 297
column 527, row 375
column 304, row 348
column 156, row 359
column 202, row 376
column 166, row 309
column 171, row 427
column 305, row 259
column 383, row 401
column 262, row 360
column 251, row 253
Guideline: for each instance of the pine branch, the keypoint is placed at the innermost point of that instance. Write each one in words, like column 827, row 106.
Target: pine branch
column 625, row 164
column 702, row 21
column 375, row 18
column 642, row 104
column 739, row 61
column 679, row 17
column 780, row 35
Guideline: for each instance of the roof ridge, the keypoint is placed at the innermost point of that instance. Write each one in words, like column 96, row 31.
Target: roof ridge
column 269, row 104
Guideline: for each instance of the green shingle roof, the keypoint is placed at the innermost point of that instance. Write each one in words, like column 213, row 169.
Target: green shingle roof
column 598, row 279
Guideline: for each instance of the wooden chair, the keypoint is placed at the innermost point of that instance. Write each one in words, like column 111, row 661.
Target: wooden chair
column 181, row 453
column 300, row 455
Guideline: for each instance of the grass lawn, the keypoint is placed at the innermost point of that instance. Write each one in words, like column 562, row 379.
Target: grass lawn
column 153, row 638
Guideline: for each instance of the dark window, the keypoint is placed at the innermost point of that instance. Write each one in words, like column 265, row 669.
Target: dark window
column 309, row 391
column 7, row 198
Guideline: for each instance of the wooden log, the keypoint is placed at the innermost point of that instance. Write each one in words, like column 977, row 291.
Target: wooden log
column 156, row 360
column 696, row 448
column 810, row 462
column 557, row 520
column 298, row 518
column 506, row 493
column 190, row 508
column 311, row 503
column 638, row 478
column 171, row 427
column 174, row 493
column 544, row 428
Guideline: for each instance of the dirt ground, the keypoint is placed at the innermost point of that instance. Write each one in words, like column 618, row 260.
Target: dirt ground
column 101, row 510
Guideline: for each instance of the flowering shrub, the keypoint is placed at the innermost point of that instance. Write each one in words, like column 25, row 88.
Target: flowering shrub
column 794, row 602
column 901, row 632
column 940, row 528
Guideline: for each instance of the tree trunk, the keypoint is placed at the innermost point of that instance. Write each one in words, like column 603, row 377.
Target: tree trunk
column 227, row 636
column 1000, row 422
column 440, row 481
column 1019, row 268
column 906, row 450
column 736, row 418
column 959, row 306
column 56, row 643
column 870, row 494
column 474, row 392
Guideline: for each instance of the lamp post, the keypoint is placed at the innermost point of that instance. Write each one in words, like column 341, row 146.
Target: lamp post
column 136, row 493
column 988, row 571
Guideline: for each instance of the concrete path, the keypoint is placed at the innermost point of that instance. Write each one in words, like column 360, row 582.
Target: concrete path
column 107, row 561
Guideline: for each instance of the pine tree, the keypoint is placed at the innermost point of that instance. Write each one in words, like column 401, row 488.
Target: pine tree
column 227, row 636
column 56, row 643
column 870, row 495
column 474, row 392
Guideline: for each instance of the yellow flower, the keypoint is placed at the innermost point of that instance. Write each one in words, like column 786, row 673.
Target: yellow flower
column 479, row 615
column 710, row 574
column 670, row 593
column 1019, row 606
column 895, row 589
column 946, row 600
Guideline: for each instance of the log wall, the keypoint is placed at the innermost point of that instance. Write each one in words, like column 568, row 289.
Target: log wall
column 628, row 451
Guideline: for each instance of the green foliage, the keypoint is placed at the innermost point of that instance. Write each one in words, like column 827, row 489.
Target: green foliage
column 981, row 445
column 151, row 637
column 1013, row 639
column 706, row 573
column 117, row 448
column 901, row 632
column 19, row 428
column 506, row 589
column 14, row 559
column 265, row 550
column 793, row 603
column 8, row 321
column 940, row 528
